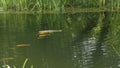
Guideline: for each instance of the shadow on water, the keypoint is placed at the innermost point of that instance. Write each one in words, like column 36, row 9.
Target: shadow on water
column 89, row 47
column 86, row 40
column 103, row 49
column 99, row 51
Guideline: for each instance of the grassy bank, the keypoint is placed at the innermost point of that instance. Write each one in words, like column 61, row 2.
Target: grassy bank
column 55, row 5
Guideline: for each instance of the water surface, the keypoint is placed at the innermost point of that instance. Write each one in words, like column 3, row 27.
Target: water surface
column 87, row 40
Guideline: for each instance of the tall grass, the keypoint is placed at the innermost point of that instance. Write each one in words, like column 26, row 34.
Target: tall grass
column 56, row 5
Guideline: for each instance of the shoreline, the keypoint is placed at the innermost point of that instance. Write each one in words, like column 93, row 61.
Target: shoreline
column 66, row 10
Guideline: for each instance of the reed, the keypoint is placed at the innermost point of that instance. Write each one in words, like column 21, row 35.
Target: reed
column 25, row 63
column 4, row 4
column 56, row 5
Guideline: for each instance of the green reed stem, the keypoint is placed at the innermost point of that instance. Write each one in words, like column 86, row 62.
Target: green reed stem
column 115, row 50
column 31, row 66
column 56, row 4
column 25, row 63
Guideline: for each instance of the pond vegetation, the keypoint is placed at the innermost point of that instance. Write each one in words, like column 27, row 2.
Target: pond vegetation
column 58, row 5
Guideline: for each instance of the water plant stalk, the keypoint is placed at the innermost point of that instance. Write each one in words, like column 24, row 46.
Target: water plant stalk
column 25, row 63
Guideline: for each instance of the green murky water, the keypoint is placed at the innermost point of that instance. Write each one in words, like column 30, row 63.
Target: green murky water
column 86, row 40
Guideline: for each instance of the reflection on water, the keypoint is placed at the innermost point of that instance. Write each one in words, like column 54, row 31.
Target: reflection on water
column 80, row 40
column 83, row 57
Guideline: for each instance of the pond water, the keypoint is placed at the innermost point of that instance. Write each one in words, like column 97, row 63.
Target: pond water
column 76, row 40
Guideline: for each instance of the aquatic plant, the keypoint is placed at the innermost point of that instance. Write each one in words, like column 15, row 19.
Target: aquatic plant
column 56, row 5
column 24, row 64
column 4, row 4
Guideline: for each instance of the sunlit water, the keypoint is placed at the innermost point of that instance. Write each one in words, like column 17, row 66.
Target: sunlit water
column 83, row 40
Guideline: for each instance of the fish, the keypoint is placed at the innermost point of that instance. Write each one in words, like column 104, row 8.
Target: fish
column 46, row 33
column 43, row 36
column 23, row 45
column 7, row 59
